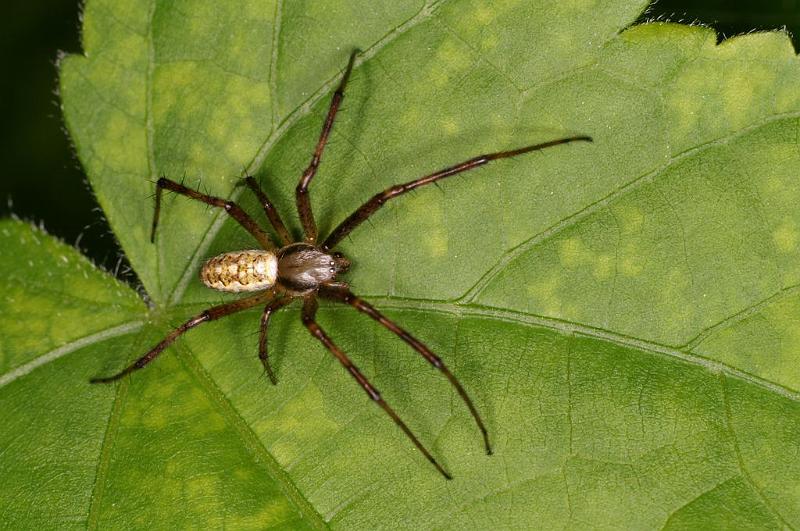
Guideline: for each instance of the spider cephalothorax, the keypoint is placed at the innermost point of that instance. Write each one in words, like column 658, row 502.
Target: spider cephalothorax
column 303, row 268
column 280, row 273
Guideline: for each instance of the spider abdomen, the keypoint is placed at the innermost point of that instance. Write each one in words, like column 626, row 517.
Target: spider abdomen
column 250, row 270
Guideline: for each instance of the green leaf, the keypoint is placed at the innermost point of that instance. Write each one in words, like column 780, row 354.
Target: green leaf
column 624, row 313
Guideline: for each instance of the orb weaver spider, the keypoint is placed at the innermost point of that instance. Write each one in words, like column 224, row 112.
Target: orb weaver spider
column 307, row 269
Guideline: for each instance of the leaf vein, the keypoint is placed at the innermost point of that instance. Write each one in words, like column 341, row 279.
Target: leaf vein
column 250, row 439
column 149, row 128
column 474, row 292
column 740, row 459
column 569, row 327
column 106, row 447
column 740, row 316
column 67, row 348
column 273, row 66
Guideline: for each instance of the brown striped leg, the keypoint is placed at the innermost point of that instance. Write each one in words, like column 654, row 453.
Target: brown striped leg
column 207, row 315
column 269, row 209
column 233, row 210
column 269, row 309
column 367, row 209
column 342, row 294
column 301, row 192
column 309, row 311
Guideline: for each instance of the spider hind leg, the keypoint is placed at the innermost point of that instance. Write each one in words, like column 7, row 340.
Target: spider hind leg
column 340, row 293
column 308, row 316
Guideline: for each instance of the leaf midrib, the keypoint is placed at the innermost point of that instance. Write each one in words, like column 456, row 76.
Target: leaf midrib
column 561, row 326
column 107, row 444
column 574, row 328
column 249, row 439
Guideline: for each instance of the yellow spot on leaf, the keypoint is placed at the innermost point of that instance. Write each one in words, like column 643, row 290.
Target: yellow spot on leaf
column 543, row 291
column 571, row 252
column 737, row 96
column 155, row 420
column 786, row 237
column 683, row 101
column 202, row 487
column 483, row 14
column 631, row 219
column 436, row 244
column 273, row 513
column 411, row 117
column 631, row 265
column 450, row 127
column 457, row 60
column 489, row 42
column 199, row 154
column 300, row 420
column 603, row 267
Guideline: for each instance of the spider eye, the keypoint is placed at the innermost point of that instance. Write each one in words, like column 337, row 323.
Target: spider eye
column 339, row 262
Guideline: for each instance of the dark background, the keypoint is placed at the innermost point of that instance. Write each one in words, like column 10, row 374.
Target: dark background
column 42, row 180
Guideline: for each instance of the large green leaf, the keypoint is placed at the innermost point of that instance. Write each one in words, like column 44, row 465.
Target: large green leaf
column 625, row 313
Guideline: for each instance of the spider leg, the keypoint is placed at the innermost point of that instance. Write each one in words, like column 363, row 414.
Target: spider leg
column 269, row 309
column 301, row 192
column 341, row 293
column 233, row 210
column 210, row 314
column 309, row 311
column 269, row 209
column 373, row 204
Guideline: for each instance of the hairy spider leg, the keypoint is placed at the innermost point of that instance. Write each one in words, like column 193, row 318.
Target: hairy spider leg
column 340, row 293
column 263, row 355
column 211, row 314
column 269, row 209
column 234, row 210
column 378, row 200
column 308, row 314
column 301, row 192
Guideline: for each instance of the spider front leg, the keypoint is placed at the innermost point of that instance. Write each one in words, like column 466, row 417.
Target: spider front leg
column 270, row 210
column 269, row 309
column 309, row 312
column 378, row 200
column 211, row 314
column 233, row 210
column 341, row 293
column 301, row 192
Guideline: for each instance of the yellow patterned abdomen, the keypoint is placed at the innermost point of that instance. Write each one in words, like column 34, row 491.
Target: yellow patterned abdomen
column 253, row 270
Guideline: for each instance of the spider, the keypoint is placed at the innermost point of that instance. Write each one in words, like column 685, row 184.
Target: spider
column 308, row 269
